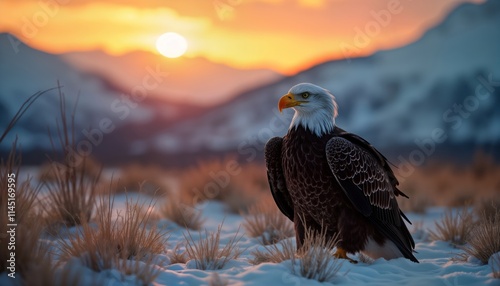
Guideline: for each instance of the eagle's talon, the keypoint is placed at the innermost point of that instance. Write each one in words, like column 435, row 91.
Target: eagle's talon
column 342, row 254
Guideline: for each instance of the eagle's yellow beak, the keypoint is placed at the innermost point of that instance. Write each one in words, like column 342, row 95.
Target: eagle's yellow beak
column 287, row 101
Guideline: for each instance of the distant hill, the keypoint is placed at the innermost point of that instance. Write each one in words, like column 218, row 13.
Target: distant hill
column 437, row 97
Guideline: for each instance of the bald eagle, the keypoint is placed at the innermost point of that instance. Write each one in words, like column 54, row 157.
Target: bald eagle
column 324, row 178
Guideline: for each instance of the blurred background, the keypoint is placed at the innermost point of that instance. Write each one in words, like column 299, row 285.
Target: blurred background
column 420, row 80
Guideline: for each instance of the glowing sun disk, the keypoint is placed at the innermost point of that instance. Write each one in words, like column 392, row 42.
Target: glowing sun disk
column 171, row 45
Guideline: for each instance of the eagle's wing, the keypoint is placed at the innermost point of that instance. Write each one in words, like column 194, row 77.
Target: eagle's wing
column 276, row 177
column 362, row 173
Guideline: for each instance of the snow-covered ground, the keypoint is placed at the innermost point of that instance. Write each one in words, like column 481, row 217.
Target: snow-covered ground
column 435, row 267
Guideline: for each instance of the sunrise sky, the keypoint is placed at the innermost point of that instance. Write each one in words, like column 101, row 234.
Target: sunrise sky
column 282, row 35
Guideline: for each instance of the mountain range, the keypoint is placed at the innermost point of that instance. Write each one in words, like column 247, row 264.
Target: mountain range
column 397, row 99
column 434, row 98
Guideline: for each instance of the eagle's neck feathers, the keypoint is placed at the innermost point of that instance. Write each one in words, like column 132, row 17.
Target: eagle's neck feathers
column 320, row 122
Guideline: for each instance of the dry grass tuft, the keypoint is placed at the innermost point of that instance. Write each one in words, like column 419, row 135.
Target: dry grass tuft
column 275, row 253
column 71, row 197
column 20, row 198
column 177, row 255
column 207, row 253
column 120, row 243
column 316, row 259
column 266, row 222
column 487, row 208
column 182, row 214
column 484, row 239
column 26, row 196
column 454, row 227
column 72, row 193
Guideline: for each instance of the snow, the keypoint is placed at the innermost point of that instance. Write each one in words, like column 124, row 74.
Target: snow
column 435, row 267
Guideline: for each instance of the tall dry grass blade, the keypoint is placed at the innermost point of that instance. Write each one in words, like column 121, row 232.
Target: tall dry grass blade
column 182, row 214
column 454, row 227
column 207, row 252
column 266, row 222
column 72, row 195
column 125, row 243
column 177, row 255
column 22, row 109
column 274, row 253
column 484, row 239
column 316, row 260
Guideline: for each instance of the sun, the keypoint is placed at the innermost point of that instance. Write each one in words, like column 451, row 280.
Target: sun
column 171, row 45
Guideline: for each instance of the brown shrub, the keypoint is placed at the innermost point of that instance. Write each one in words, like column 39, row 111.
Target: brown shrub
column 71, row 194
column 274, row 253
column 207, row 253
column 316, row 259
column 70, row 197
column 182, row 214
column 266, row 222
column 487, row 208
column 177, row 255
column 120, row 243
column 484, row 240
column 454, row 227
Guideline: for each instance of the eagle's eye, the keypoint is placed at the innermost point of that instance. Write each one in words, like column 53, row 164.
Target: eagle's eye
column 305, row 95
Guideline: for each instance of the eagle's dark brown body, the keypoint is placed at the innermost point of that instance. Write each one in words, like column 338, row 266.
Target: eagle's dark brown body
column 324, row 201
column 337, row 181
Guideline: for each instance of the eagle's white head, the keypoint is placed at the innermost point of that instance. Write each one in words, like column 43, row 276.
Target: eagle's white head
column 315, row 107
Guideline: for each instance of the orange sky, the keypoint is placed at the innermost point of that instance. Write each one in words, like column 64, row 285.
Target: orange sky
column 284, row 35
